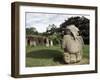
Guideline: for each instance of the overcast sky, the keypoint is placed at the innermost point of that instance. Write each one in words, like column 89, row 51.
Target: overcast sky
column 41, row 20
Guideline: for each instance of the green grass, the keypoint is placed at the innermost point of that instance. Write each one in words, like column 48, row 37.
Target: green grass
column 86, row 51
column 49, row 56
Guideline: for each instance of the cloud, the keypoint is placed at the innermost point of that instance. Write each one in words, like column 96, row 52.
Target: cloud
column 41, row 20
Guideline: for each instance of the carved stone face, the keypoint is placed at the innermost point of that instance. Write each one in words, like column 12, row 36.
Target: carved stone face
column 72, row 30
column 67, row 32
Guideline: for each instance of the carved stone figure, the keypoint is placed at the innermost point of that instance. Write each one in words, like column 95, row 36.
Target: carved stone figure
column 72, row 44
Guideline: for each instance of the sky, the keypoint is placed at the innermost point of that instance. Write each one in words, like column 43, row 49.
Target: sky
column 42, row 20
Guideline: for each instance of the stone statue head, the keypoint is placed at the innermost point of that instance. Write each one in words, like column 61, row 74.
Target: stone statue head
column 72, row 30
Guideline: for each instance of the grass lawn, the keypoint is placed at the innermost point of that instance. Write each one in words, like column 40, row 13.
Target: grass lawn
column 50, row 56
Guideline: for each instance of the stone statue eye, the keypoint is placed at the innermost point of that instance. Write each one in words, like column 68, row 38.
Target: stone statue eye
column 68, row 31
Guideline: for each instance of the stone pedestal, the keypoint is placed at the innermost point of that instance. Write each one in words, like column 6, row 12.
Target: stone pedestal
column 72, row 58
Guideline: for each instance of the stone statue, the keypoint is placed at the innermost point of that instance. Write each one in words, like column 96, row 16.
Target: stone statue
column 72, row 44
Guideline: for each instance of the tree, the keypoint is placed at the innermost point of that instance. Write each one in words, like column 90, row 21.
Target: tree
column 52, row 34
column 82, row 23
column 51, row 29
column 31, row 31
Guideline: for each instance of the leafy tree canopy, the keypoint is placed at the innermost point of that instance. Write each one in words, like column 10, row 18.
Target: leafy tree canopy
column 31, row 31
column 82, row 23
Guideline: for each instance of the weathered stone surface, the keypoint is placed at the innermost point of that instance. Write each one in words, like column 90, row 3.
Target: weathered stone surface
column 78, row 57
column 72, row 44
column 67, row 57
column 73, row 58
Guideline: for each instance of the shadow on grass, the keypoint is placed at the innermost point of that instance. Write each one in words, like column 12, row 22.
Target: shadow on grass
column 56, row 55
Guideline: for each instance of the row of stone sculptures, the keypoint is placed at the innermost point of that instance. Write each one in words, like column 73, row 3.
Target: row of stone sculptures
column 72, row 44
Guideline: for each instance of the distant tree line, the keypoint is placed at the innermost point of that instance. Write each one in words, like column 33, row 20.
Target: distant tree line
column 56, row 33
column 31, row 31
